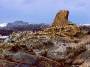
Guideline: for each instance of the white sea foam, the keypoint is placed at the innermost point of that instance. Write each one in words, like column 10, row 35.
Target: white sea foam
column 3, row 24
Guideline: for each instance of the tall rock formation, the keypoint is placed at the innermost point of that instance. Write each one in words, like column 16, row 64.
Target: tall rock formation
column 62, row 26
column 61, row 19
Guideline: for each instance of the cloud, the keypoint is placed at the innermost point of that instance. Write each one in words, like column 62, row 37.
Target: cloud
column 44, row 4
column 43, row 10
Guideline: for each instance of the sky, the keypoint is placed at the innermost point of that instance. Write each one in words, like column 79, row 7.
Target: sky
column 43, row 11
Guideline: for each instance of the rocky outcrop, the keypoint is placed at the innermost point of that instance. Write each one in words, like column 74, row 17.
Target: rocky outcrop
column 62, row 26
column 56, row 46
column 61, row 19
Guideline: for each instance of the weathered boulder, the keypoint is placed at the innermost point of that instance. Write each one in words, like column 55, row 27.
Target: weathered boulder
column 21, row 57
column 58, row 52
column 66, row 53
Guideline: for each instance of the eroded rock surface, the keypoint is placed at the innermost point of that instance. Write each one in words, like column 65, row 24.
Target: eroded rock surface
column 56, row 46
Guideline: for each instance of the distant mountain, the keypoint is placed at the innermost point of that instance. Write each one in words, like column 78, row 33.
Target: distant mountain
column 25, row 26
column 21, row 26
column 17, row 24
